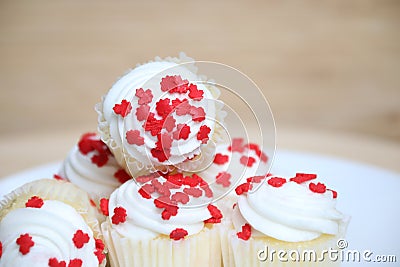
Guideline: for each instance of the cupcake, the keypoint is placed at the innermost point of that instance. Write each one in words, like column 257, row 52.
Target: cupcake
column 91, row 166
column 296, row 216
column 162, row 221
column 161, row 116
column 49, row 223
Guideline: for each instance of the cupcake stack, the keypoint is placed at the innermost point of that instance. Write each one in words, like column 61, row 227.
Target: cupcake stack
column 160, row 185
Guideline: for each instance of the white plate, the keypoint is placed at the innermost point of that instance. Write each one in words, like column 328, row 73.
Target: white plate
column 369, row 194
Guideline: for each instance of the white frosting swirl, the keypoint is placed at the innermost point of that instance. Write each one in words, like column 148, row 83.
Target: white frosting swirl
column 144, row 220
column 114, row 127
column 97, row 181
column 52, row 228
column 291, row 212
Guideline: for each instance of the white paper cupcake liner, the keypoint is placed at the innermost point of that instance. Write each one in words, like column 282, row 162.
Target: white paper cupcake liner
column 202, row 249
column 240, row 253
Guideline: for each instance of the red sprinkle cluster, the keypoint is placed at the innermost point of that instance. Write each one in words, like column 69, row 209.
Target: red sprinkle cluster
column 99, row 252
column 90, row 142
column 165, row 128
column 239, row 146
column 300, row 178
column 53, row 262
column 216, row 214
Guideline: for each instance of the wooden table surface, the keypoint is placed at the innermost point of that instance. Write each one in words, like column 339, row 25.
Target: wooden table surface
column 330, row 71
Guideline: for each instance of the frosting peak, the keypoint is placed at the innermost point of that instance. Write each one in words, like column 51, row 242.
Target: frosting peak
column 289, row 210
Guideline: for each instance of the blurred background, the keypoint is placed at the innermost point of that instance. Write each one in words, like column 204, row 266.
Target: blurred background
column 330, row 70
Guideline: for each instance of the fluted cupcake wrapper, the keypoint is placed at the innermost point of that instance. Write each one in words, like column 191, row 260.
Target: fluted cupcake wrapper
column 263, row 251
column 202, row 249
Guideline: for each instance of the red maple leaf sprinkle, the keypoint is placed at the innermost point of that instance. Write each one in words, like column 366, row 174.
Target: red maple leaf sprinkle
column 237, row 145
column 176, row 179
column 53, row 262
column 122, row 176
column 163, row 202
column 164, row 141
column 245, row 234
column 198, row 114
column 195, row 93
column 207, row 191
column 180, row 197
column 194, row 192
column 303, row 177
column 247, row 161
column 181, row 107
column 85, row 143
column 75, row 263
column 221, row 159
column 162, row 188
column 174, row 84
column 163, row 107
column 169, row 123
column 276, row 181
column 202, row 135
column 169, row 206
column 142, row 112
column 334, row 193
column 123, row 109
column 317, row 188
column 34, row 202
column 152, row 125
column 243, row 188
column 58, row 177
column 216, row 214
column 160, row 154
column 80, row 239
column 133, row 138
column 182, row 131
column 25, row 243
column 144, row 193
column 145, row 178
column 99, row 244
column 178, row 233
column 1, row 249
column 145, row 97
column 192, row 180
column 104, row 206
column 223, row 178
column 100, row 160
column 119, row 215
column 256, row 179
